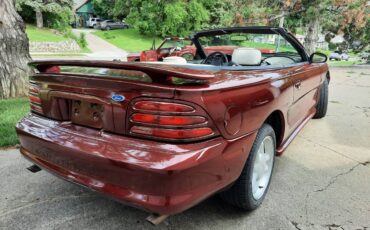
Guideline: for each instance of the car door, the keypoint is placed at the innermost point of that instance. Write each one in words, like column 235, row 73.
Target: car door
column 305, row 80
column 115, row 25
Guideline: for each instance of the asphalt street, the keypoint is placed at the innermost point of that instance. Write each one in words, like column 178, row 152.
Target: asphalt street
column 322, row 181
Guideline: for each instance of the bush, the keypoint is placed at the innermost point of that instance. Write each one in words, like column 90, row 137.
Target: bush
column 60, row 21
column 82, row 40
column 332, row 46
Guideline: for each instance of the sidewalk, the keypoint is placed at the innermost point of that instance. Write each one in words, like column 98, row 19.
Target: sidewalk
column 100, row 50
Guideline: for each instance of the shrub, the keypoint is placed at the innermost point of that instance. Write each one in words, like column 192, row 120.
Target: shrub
column 82, row 40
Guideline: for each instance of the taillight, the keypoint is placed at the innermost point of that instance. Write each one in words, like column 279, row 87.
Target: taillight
column 162, row 107
column 50, row 69
column 143, row 56
column 172, row 133
column 35, row 101
column 169, row 120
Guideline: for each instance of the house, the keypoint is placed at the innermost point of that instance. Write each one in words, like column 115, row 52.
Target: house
column 83, row 10
column 320, row 44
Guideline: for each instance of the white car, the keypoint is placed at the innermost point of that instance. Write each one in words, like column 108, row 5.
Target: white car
column 93, row 21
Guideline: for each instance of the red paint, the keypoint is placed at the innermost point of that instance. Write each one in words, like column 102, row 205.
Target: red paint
column 160, row 53
column 83, row 136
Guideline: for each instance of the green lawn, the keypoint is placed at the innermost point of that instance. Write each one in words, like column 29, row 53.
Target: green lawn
column 257, row 45
column 129, row 40
column 344, row 63
column 11, row 111
column 43, row 35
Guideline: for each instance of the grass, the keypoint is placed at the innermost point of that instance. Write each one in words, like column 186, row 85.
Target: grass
column 43, row 35
column 344, row 63
column 48, row 35
column 257, row 45
column 11, row 111
column 129, row 40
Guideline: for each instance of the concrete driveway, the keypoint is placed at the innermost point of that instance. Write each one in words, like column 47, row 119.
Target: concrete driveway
column 100, row 49
column 321, row 182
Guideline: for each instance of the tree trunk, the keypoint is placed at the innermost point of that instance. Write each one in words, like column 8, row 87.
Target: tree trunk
column 39, row 19
column 312, row 35
column 14, row 52
column 281, row 21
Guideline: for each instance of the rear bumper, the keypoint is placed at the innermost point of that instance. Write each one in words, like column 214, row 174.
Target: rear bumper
column 158, row 177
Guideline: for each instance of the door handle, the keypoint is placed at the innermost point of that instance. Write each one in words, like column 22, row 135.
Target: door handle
column 298, row 84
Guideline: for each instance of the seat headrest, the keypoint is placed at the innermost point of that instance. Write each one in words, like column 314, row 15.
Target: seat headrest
column 174, row 60
column 247, row 56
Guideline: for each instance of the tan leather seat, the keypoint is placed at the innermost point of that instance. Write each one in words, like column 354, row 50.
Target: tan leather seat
column 247, row 56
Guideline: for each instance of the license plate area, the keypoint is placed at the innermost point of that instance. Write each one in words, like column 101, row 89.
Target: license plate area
column 87, row 114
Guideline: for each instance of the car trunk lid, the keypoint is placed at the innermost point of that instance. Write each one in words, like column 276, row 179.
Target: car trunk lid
column 98, row 94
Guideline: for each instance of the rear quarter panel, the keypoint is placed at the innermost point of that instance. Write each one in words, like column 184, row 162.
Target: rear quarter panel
column 240, row 101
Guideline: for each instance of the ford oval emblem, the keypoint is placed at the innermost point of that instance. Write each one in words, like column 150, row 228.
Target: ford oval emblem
column 118, row 98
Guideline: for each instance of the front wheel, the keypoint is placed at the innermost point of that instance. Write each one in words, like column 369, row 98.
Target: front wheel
column 250, row 189
column 107, row 28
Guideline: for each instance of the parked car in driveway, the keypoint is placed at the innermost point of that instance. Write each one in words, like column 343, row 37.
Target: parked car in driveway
column 92, row 22
column 112, row 25
column 165, row 135
column 338, row 56
column 181, row 47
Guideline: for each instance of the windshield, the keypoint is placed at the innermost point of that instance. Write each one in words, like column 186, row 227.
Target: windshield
column 172, row 43
column 267, row 43
column 247, row 49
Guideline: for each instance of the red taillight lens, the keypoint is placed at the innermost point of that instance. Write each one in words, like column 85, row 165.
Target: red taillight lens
column 36, row 108
column 50, row 69
column 35, row 101
column 163, row 107
column 143, row 56
column 172, row 133
column 167, row 120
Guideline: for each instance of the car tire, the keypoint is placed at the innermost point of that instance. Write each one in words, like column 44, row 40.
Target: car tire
column 322, row 104
column 241, row 194
column 125, row 27
column 107, row 28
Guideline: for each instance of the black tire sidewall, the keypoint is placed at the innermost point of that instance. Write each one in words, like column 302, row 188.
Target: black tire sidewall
column 265, row 131
column 323, row 99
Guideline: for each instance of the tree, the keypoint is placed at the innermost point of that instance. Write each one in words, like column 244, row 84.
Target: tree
column 14, row 52
column 347, row 17
column 104, row 9
column 56, row 7
column 164, row 18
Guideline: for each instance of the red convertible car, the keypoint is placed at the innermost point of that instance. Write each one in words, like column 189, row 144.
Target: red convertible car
column 163, row 136
column 183, row 47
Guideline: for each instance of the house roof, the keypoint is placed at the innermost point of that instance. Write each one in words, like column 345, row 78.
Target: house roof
column 77, row 4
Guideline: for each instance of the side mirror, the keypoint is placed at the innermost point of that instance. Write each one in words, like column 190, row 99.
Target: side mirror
column 318, row 57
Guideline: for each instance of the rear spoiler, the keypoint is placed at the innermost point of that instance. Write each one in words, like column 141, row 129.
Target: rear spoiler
column 157, row 72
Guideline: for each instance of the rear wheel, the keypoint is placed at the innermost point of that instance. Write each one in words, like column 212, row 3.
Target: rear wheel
column 107, row 28
column 322, row 104
column 251, row 187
